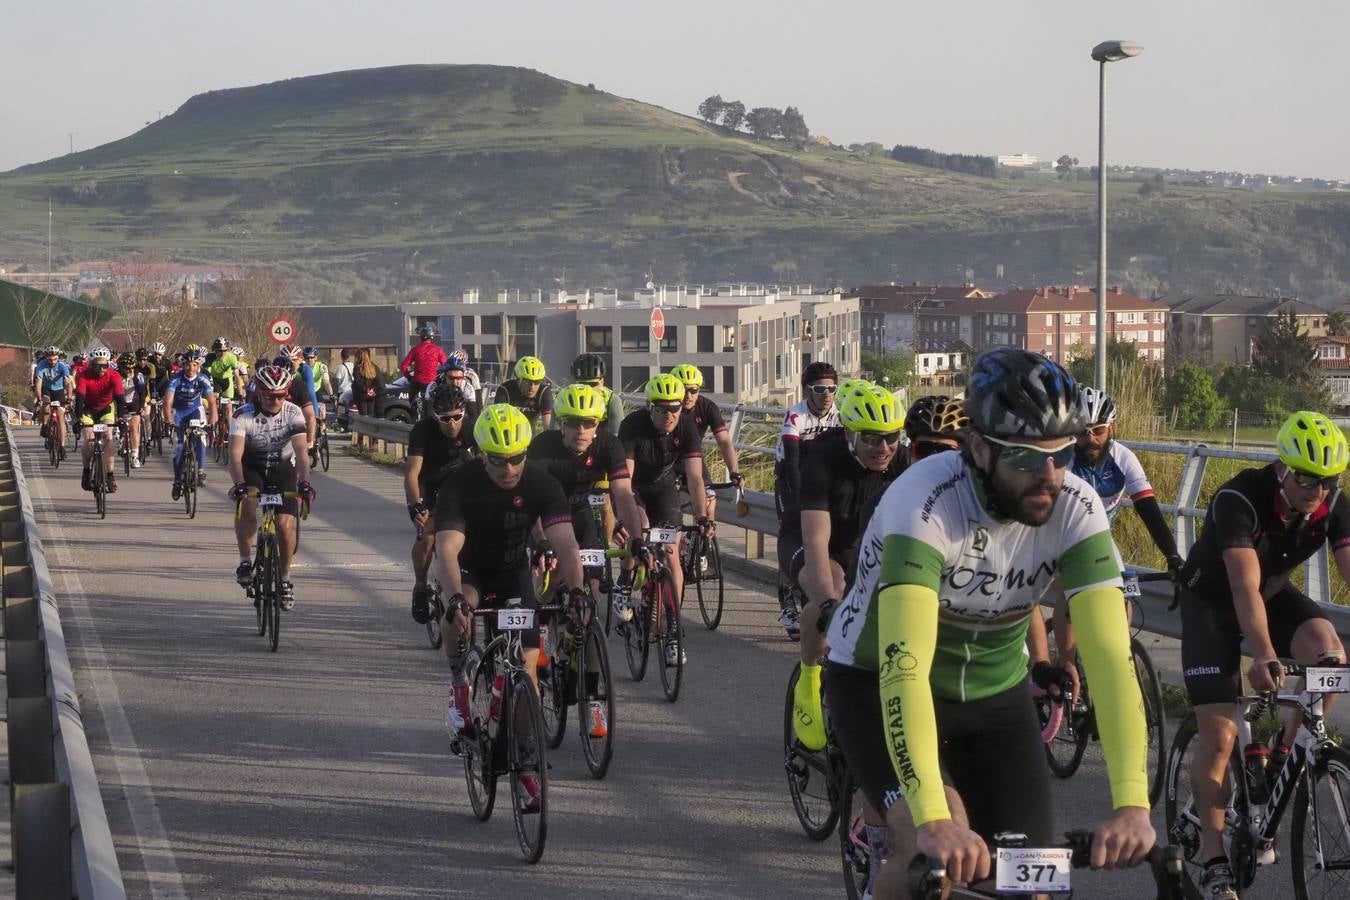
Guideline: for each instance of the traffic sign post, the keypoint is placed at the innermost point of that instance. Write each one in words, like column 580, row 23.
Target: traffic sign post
column 658, row 326
column 282, row 330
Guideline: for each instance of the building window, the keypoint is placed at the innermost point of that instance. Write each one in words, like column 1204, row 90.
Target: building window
column 668, row 343
column 1331, row 351
column 704, row 335
column 635, row 338
column 1157, row 336
column 708, row 372
column 1049, row 320
column 492, row 324
column 1074, row 319
column 523, row 345
column 778, row 367
column 745, row 337
column 599, row 339
column 793, row 322
column 1158, row 317
column 1049, row 339
column 633, row 379
column 467, row 324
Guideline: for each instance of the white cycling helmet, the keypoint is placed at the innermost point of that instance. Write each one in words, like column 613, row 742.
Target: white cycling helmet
column 158, row 347
column 1100, row 408
column 273, row 378
column 101, row 354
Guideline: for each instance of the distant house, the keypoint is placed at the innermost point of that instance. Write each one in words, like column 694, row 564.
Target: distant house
column 943, row 368
column 1212, row 329
column 909, row 317
column 1333, row 355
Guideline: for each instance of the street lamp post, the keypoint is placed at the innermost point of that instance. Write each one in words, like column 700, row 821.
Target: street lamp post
column 1103, row 53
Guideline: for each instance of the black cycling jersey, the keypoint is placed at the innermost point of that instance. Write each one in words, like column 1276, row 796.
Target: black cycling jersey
column 706, row 417
column 440, row 454
column 496, row 524
column 134, row 393
column 299, row 393
column 834, row 481
column 1244, row 513
column 654, row 453
column 533, row 408
column 578, row 472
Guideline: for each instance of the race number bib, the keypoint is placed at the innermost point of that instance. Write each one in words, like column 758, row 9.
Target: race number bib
column 270, row 500
column 597, row 500
column 663, row 535
column 515, row 619
column 1026, row 870
column 1132, row 586
column 100, row 429
column 592, row 558
column 1328, row 681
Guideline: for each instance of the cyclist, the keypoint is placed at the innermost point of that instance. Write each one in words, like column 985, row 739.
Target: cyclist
column 436, row 447
column 454, row 372
column 935, row 424
column 268, row 451
column 323, row 395
column 842, row 480
column 421, row 364
column 927, row 649
column 485, row 514
column 802, row 423
column 53, row 382
column 530, row 392
column 655, row 441
column 184, row 398
column 472, row 382
column 132, row 405
column 707, row 417
column 1260, row 526
column 589, row 369
column 242, row 370
column 97, row 389
column 303, row 394
column 162, row 368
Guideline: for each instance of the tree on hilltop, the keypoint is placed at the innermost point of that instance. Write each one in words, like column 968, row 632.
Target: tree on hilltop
column 1338, row 323
column 1065, row 166
column 765, row 122
column 793, row 126
column 711, row 109
column 733, row 115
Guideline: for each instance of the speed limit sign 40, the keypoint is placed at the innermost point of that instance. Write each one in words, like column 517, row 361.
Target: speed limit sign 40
column 282, row 330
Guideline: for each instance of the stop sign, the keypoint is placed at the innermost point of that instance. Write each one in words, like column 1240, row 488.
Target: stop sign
column 658, row 324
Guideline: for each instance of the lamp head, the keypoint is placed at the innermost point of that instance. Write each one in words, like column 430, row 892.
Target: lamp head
column 1114, row 51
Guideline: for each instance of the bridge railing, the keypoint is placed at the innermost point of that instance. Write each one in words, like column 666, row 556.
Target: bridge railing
column 62, row 846
column 754, row 430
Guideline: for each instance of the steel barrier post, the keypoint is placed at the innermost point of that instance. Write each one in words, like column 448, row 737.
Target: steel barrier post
column 41, row 835
column 1188, row 496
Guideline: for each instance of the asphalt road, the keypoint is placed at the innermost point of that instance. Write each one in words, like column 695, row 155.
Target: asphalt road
column 322, row 771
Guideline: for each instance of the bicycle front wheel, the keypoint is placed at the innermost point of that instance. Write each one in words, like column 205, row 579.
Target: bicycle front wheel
column 529, row 802
column 188, row 474
column 1064, row 751
column 1155, row 718
column 635, row 644
column 710, row 598
column 553, row 699
column 671, row 634
column 258, row 589
column 434, row 622
column 808, row 776
column 854, row 857
column 596, row 691
column 480, row 774
column 325, row 455
column 100, row 487
column 1183, row 822
column 274, row 590
column 1320, row 841
column 51, row 446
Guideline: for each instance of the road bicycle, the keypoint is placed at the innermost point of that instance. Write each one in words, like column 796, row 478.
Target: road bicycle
column 1020, row 870
column 1315, row 777
column 320, row 454
column 505, row 735
column 701, row 559
column 98, row 476
column 159, row 428
column 220, row 434
column 194, row 435
column 265, row 587
column 578, row 674
column 656, row 614
column 124, row 444
column 1068, row 723
column 815, row 777
column 56, row 433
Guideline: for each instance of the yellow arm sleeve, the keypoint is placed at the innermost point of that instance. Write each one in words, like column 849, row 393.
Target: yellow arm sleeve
column 907, row 621
column 1104, row 641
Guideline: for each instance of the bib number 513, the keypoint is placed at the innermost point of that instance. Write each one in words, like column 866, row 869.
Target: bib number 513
column 1027, row 870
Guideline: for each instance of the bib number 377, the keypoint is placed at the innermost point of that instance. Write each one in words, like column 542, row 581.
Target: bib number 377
column 1026, row 870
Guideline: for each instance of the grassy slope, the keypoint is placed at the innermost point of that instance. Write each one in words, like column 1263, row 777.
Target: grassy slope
column 498, row 175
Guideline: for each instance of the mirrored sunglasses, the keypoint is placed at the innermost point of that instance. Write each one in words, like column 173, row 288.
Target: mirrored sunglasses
column 876, row 438
column 1026, row 458
column 501, row 462
column 447, row 418
column 824, row 388
column 579, row 423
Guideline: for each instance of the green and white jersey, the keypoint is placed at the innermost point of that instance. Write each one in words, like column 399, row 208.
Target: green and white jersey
column 932, row 529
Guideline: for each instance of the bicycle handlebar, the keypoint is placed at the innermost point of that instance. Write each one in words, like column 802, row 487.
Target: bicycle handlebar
column 1142, row 577
column 925, row 876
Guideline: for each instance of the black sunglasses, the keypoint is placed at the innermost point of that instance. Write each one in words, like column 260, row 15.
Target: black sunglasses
column 580, row 423
column 691, row 389
column 668, row 410
column 1308, row 481
column 876, row 438
column 501, row 462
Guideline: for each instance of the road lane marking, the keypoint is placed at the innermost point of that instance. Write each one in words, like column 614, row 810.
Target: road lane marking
column 152, row 841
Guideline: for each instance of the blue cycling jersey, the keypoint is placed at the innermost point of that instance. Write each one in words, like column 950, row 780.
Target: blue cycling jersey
column 1117, row 474
column 188, row 392
column 307, row 378
column 52, row 377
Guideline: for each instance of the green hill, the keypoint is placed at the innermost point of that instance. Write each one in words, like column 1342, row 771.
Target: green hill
column 437, row 177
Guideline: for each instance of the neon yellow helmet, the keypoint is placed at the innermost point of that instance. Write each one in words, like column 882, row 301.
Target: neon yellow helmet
column 665, row 389
column 850, row 386
column 689, row 375
column 530, row 368
column 873, row 409
column 579, row 400
column 1309, row 442
column 502, row 430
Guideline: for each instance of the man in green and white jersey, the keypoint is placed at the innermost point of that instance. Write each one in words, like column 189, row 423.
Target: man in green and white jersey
column 928, row 649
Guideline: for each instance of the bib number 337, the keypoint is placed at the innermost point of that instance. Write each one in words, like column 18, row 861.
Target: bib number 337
column 1026, row 870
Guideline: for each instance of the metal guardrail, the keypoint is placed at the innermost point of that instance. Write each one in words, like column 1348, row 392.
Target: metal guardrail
column 62, row 844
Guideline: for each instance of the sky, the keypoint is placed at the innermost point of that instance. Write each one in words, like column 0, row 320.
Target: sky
column 1233, row 85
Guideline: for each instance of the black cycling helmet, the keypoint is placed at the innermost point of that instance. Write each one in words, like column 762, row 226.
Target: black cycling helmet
column 125, row 360
column 142, row 353
column 936, row 416
column 1015, row 393
column 220, row 344
column 588, row 367
column 816, row 371
column 426, row 332
column 446, row 398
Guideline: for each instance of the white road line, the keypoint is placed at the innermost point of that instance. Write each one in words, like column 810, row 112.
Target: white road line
column 152, row 841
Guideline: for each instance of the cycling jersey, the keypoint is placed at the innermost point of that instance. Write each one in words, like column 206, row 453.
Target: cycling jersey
column 1118, row 474
column 422, row 362
column 52, row 378
column 188, row 394
column 834, row 481
column 321, row 376
column 931, row 529
column 99, row 392
column 267, row 437
column 222, row 368
column 305, row 375
column 655, row 453
column 131, row 400
column 496, row 523
column 534, row 407
column 440, row 454
column 578, row 473
column 801, row 425
column 706, row 417
column 1244, row 512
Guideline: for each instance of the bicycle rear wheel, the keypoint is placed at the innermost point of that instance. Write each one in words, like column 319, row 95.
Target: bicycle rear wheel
column 325, row 455
column 1155, row 718
column 635, row 644
column 1321, row 847
column 274, row 590
column 1064, row 752
column 710, row 600
column 480, row 775
column 595, row 688
column 525, row 733
column 51, row 445
column 258, row 587
column 1183, row 825
column 437, row 612
column 100, row 478
column 813, row 797
column 188, row 474
column 671, row 633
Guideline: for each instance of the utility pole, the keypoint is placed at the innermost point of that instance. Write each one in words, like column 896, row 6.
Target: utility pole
column 72, row 140
column 49, row 237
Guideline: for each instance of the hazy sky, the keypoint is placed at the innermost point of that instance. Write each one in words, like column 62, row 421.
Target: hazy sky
column 1238, row 84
